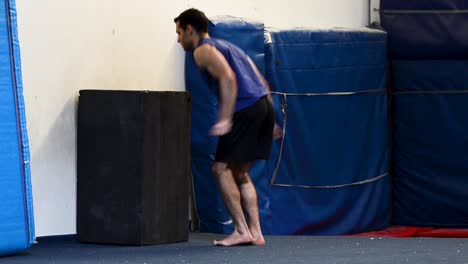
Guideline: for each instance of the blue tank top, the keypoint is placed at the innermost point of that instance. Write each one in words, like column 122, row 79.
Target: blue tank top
column 249, row 86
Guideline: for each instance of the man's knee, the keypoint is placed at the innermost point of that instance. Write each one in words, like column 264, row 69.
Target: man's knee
column 218, row 168
column 241, row 173
column 242, row 177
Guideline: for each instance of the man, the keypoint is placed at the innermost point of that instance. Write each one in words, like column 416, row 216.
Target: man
column 245, row 124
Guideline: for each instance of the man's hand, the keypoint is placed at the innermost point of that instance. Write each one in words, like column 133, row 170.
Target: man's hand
column 221, row 128
column 277, row 132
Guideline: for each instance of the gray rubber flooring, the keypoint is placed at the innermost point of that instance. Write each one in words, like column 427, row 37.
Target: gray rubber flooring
column 279, row 249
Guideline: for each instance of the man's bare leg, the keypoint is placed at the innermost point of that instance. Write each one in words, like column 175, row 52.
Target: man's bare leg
column 231, row 196
column 249, row 202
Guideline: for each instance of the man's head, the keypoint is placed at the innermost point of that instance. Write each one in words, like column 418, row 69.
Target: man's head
column 190, row 25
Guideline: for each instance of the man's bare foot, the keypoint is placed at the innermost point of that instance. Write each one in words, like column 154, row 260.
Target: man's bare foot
column 258, row 239
column 235, row 239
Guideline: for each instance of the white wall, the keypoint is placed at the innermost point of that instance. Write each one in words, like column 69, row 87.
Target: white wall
column 69, row 45
column 374, row 11
column 293, row 13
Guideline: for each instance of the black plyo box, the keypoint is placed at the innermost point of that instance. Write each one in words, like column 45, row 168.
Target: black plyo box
column 133, row 165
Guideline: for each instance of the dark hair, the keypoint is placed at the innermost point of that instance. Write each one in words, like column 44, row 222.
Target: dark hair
column 195, row 18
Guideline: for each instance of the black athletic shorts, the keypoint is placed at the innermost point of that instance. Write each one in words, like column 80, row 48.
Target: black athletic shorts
column 251, row 135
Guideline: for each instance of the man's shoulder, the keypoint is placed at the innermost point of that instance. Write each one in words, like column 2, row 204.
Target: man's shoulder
column 202, row 49
column 221, row 42
column 204, row 54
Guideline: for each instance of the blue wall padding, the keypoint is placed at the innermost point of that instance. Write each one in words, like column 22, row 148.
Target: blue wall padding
column 16, row 211
column 349, row 210
column 433, row 29
column 213, row 216
column 334, row 140
column 330, row 140
column 423, row 5
column 430, row 142
column 430, row 75
column 327, row 60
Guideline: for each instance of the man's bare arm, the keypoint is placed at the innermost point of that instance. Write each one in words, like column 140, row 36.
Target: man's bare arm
column 209, row 58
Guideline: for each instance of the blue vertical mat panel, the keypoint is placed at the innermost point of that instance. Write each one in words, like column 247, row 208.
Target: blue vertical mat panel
column 248, row 35
column 332, row 175
column 16, row 208
column 429, row 29
column 423, row 5
column 430, row 142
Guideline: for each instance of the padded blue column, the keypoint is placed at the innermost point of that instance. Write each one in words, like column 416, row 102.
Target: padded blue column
column 16, row 211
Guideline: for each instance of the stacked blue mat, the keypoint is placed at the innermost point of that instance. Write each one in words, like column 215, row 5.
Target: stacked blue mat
column 332, row 175
column 429, row 52
column 16, row 209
